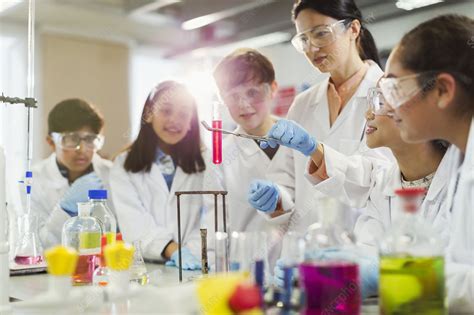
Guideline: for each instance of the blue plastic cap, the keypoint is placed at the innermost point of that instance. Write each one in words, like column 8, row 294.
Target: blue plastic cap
column 98, row 194
column 29, row 174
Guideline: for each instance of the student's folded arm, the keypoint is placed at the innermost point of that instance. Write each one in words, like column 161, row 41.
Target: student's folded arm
column 136, row 222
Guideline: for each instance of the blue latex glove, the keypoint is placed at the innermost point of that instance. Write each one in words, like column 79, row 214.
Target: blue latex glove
column 279, row 274
column 292, row 135
column 79, row 192
column 263, row 195
column 368, row 267
column 189, row 261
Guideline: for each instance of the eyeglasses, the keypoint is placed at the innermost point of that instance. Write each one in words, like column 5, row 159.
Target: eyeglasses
column 72, row 140
column 318, row 36
column 376, row 103
column 252, row 95
column 398, row 91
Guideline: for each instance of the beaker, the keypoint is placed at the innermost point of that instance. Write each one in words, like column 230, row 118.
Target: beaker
column 138, row 272
column 29, row 250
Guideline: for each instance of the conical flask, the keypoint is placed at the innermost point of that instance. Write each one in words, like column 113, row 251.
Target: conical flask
column 29, row 250
column 138, row 272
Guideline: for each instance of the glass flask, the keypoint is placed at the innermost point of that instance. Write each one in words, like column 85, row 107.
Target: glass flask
column 101, row 273
column 29, row 250
column 103, row 214
column 411, row 261
column 83, row 233
column 138, row 272
column 329, row 285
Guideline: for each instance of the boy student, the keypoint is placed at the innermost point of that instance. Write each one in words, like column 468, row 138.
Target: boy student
column 65, row 177
column 246, row 83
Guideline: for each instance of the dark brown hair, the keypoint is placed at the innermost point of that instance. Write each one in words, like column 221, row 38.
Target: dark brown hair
column 343, row 10
column 442, row 44
column 73, row 114
column 186, row 153
column 242, row 66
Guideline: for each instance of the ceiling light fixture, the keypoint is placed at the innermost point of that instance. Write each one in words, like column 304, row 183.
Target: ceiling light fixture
column 415, row 4
column 221, row 15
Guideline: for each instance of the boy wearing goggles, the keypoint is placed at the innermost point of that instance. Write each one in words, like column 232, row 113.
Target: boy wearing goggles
column 65, row 177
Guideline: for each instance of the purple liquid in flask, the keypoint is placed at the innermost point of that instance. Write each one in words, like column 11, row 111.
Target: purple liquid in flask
column 331, row 288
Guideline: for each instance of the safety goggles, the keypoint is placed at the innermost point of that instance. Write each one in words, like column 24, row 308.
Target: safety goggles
column 250, row 95
column 376, row 103
column 398, row 91
column 318, row 36
column 72, row 140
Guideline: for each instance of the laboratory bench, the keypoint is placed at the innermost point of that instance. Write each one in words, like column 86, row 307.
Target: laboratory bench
column 26, row 287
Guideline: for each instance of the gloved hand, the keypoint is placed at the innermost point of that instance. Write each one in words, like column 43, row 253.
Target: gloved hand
column 79, row 192
column 279, row 273
column 189, row 261
column 368, row 267
column 263, row 195
column 292, row 135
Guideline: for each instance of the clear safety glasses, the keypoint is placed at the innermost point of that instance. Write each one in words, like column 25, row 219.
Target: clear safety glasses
column 376, row 103
column 72, row 140
column 318, row 36
column 251, row 95
column 398, row 91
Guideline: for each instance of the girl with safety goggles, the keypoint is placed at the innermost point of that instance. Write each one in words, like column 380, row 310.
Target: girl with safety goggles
column 429, row 82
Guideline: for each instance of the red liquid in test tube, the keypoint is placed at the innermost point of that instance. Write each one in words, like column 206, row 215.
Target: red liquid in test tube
column 216, row 135
column 217, row 142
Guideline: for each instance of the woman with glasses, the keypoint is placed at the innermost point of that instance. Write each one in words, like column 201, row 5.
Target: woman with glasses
column 429, row 82
column 64, row 179
column 332, row 36
column 166, row 157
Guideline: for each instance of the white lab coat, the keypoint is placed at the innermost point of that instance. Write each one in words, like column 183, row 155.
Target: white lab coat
column 460, row 203
column 362, row 182
column 347, row 135
column 243, row 161
column 48, row 188
column 147, row 210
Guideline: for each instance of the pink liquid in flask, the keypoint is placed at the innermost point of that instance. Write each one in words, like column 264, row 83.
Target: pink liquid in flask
column 28, row 260
column 331, row 288
column 217, row 142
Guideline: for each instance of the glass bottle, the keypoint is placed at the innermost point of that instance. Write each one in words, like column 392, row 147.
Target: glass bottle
column 411, row 262
column 103, row 214
column 330, row 285
column 83, row 233
column 138, row 272
column 29, row 250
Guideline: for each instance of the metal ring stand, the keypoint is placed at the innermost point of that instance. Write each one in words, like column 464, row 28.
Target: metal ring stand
column 203, row 192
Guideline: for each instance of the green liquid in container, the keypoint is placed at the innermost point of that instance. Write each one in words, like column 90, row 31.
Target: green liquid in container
column 412, row 285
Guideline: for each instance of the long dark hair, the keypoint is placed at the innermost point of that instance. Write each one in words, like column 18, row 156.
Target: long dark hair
column 343, row 10
column 442, row 44
column 186, row 153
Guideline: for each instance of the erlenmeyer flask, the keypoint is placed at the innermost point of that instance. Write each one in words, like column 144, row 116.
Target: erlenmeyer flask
column 138, row 272
column 29, row 250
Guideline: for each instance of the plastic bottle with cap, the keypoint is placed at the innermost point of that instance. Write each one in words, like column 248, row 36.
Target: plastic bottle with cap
column 100, row 211
column 61, row 262
column 119, row 259
column 83, row 233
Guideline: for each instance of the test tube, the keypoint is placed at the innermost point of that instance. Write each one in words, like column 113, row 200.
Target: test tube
column 221, row 253
column 216, row 135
